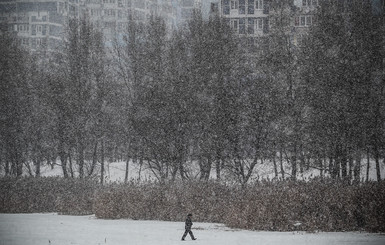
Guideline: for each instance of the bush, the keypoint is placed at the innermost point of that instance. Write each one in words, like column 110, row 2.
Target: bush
column 310, row 206
column 279, row 206
column 46, row 194
column 170, row 202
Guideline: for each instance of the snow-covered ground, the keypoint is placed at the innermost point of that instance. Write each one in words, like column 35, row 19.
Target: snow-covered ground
column 115, row 171
column 53, row 229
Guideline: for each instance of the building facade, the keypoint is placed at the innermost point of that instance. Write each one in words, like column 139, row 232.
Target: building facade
column 246, row 17
column 40, row 24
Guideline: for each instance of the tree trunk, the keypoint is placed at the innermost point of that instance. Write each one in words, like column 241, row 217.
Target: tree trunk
column 332, row 168
column 275, row 166
column 127, row 168
column 205, row 168
column 19, row 167
column 218, row 166
column 344, row 165
column 294, row 164
column 7, row 168
column 367, row 164
column 351, row 166
column 63, row 159
column 250, row 170
column 37, row 167
column 281, row 164
column 140, row 165
column 377, row 159
column 94, row 159
column 71, row 165
column 357, row 167
column 301, row 160
column 81, row 159
column 30, row 172
column 102, row 164
column 321, row 167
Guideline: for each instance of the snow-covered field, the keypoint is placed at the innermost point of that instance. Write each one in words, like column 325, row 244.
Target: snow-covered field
column 53, row 229
column 115, row 172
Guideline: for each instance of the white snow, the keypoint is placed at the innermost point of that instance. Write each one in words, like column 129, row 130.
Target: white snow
column 115, row 171
column 53, row 229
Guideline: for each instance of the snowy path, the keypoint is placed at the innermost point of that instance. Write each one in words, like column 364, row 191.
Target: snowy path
column 53, row 229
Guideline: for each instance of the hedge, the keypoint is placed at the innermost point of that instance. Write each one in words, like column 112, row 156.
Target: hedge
column 47, row 194
column 317, row 205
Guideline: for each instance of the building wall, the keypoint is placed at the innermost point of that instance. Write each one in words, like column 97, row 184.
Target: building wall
column 39, row 23
column 246, row 17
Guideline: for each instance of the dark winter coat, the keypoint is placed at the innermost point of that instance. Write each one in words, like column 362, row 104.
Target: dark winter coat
column 188, row 224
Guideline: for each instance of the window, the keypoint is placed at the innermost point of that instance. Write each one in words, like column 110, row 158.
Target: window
column 226, row 7
column 37, row 41
column 44, row 18
column 109, row 25
column 33, row 29
column 234, row 25
column 250, row 6
column 258, row 4
column 39, row 29
column 109, row 12
column 303, row 20
column 242, row 27
column 25, row 41
column 250, row 25
column 234, row 4
column 309, row 3
column 259, row 24
column 308, row 20
column 242, row 7
column 23, row 28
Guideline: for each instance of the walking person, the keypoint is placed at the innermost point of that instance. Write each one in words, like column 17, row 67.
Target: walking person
column 187, row 227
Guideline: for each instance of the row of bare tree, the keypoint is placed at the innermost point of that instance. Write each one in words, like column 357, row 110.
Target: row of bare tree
column 200, row 95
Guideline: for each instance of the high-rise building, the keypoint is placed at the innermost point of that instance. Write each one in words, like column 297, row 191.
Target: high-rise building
column 246, row 17
column 39, row 23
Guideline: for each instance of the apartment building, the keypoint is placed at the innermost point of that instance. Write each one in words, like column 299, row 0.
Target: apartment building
column 39, row 23
column 246, row 17
column 112, row 16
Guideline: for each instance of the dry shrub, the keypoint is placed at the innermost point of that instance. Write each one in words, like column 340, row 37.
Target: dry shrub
column 46, row 194
column 310, row 206
column 167, row 201
column 76, row 197
column 322, row 205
